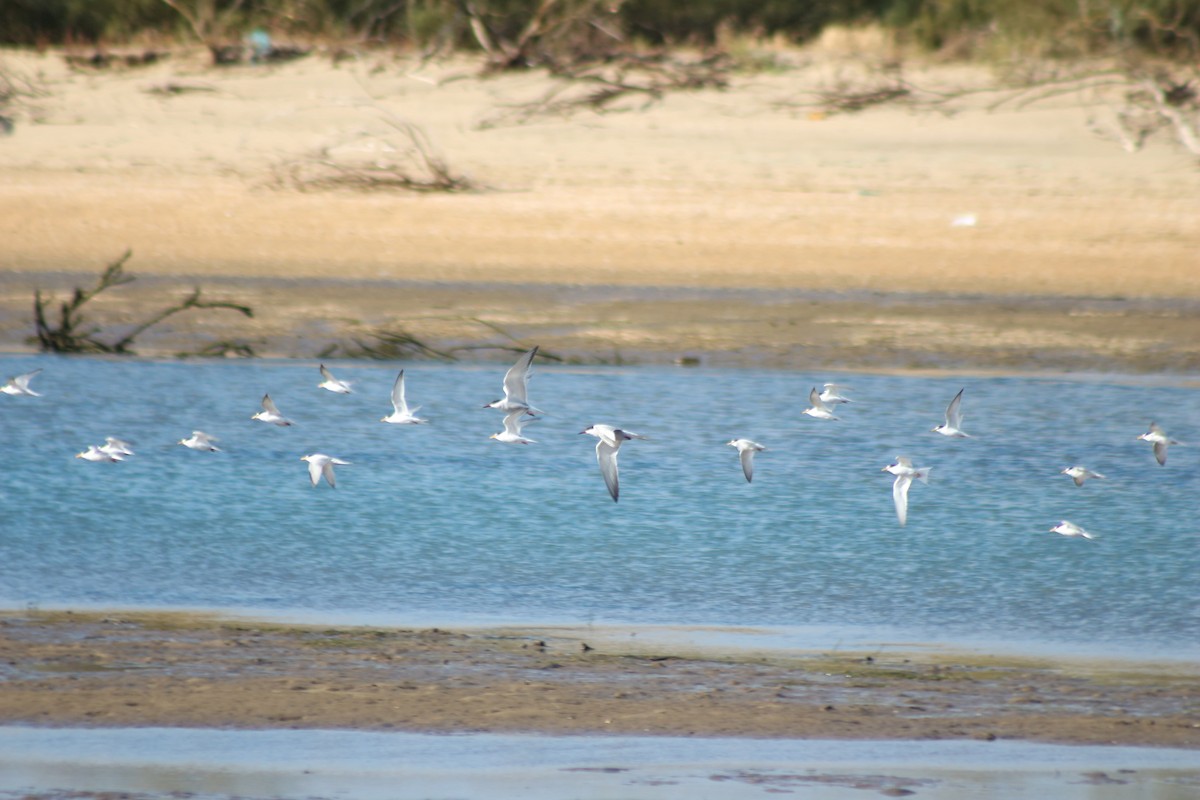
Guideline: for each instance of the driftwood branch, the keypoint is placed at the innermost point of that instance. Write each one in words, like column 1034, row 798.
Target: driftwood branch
column 599, row 88
column 1130, row 105
column 191, row 301
column 417, row 167
column 389, row 345
column 69, row 335
column 1171, row 110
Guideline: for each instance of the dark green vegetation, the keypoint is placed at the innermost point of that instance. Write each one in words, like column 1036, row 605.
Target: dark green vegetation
column 523, row 32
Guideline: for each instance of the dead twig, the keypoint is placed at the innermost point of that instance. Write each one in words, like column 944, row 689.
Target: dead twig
column 388, row 345
column 556, row 31
column 1148, row 103
column 172, row 89
column 70, row 335
column 598, row 88
column 416, row 166
column 17, row 91
column 1048, row 89
column 1170, row 105
column 102, row 60
column 208, row 24
column 518, row 346
column 883, row 85
column 192, row 301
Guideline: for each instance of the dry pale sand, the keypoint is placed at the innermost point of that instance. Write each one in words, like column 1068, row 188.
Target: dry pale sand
column 731, row 225
column 182, row 670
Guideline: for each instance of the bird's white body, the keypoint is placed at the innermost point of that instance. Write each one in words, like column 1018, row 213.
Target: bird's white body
column 746, row 450
column 905, row 473
column 19, row 385
column 321, row 465
column 513, row 423
column 516, row 387
column 401, row 413
column 333, row 384
column 94, row 453
column 817, row 408
column 270, row 413
column 606, row 453
column 199, row 440
column 1071, row 529
column 1080, row 474
column 1158, row 437
column 953, row 425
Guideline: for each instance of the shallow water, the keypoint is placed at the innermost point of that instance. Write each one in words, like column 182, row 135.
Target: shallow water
column 437, row 523
column 397, row 766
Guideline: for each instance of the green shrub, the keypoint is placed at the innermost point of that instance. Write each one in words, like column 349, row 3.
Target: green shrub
column 29, row 22
column 1045, row 27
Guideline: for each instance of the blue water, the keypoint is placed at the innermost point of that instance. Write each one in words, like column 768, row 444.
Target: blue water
column 439, row 523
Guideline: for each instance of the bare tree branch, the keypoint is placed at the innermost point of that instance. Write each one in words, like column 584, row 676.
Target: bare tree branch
column 68, row 336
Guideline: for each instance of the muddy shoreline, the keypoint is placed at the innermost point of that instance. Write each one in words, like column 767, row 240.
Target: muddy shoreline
column 187, row 670
column 781, row 329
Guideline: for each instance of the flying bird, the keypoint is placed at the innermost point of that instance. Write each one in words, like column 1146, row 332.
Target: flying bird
column 818, row 409
column 401, row 413
column 1158, row 437
column 606, row 452
column 199, row 440
column 953, row 425
column 1072, row 530
column 514, row 421
column 19, row 384
column 746, row 450
column 270, row 413
column 321, row 465
column 331, row 383
column 905, row 472
column 1080, row 474
column 516, row 387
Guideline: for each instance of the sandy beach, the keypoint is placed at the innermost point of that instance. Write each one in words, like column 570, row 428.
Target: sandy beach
column 736, row 226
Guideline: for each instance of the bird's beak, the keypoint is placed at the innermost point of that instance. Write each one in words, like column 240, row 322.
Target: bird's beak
column 885, row 469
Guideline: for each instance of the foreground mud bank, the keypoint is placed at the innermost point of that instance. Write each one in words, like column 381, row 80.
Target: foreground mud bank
column 179, row 670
